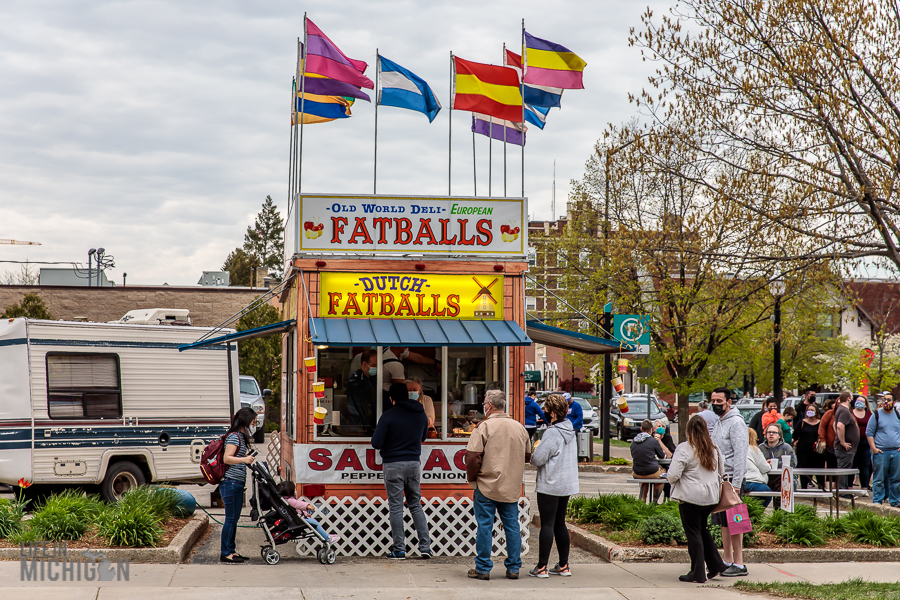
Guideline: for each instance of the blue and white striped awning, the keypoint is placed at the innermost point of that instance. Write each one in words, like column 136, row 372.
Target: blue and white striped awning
column 416, row 332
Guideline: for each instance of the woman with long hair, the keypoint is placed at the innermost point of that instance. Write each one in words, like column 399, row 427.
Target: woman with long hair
column 231, row 488
column 556, row 459
column 863, row 458
column 805, row 439
column 696, row 474
column 757, row 477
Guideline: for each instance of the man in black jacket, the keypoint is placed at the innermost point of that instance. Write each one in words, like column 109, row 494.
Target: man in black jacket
column 399, row 436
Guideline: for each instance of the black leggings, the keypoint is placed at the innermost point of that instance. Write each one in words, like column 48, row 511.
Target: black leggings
column 553, row 524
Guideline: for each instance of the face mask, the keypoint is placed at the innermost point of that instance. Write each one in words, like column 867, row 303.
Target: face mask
column 414, row 395
column 719, row 409
column 661, row 430
column 373, row 371
column 888, row 406
column 810, row 413
column 404, row 354
column 773, row 409
column 859, row 404
column 252, row 429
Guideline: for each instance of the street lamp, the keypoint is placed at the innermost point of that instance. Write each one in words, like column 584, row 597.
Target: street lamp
column 90, row 264
column 777, row 288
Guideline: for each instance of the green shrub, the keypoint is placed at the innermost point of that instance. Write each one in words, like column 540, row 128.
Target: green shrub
column 131, row 525
column 576, row 507
column 592, row 509
column 716, row 532
column 618, row 461
column 11, row 514
column 159, row 502
column 805, row 511
column 755, row 508
column 621, row 517
column 800, row 530
column 772, row 521
column 660, row 529
column 832, row 527
column 52, row 522
column 873, row 529
column 25, row 535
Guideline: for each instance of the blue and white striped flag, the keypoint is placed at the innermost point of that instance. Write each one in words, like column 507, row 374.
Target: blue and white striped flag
column 536, row 115
column 404, row 89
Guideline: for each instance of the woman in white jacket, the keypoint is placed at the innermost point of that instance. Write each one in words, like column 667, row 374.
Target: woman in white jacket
column 756, row 479
column 696, row 475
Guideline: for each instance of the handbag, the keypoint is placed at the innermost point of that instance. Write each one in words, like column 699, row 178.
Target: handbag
column 820, row 447
column 728, row 498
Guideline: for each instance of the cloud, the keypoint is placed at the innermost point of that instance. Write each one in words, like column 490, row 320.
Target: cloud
column 156, row 129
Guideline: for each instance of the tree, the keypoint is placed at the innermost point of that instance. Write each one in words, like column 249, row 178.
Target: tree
column 241, row 267
column 261, row 357
column 264, row 240
column 25, row 276
column 31, row 306
column 644, row 233
column 796, row 103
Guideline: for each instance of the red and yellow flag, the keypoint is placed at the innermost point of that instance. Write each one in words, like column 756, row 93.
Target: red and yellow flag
column 486, row 89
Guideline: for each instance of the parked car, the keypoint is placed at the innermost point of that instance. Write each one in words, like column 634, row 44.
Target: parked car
column 821, row 397
column 590, row 417
column 250, row 396
column 626, row 426
column 791, row 401
column 748, row 410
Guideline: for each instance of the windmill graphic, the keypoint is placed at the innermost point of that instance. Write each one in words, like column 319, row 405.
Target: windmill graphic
column 484, row 295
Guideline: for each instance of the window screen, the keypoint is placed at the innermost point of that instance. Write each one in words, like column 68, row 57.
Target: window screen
column 83, row 385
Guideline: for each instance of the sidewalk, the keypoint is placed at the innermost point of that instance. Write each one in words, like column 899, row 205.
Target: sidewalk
column 414, row 579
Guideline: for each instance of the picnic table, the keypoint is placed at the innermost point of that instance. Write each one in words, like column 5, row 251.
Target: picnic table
column 831, row 476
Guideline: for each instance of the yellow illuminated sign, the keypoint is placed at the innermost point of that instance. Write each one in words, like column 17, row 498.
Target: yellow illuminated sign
column 410, row 296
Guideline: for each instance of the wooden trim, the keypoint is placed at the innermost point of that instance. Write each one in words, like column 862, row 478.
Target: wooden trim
column 397, row 265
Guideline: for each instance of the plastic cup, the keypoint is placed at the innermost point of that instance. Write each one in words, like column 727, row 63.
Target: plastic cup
column 310, row 363
column 618, row 384
column 319, row 389
column 774, row 463
column 319, row 416
column 623, row 365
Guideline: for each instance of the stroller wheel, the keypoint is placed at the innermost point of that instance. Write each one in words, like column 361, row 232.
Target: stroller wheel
column 270, row 555
column 330, row 555
column 321, row 555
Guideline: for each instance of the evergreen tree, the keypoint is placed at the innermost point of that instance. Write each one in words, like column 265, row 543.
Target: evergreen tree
column 261, row 358
column 31, row 306
column 240, row 265
column 264, row 240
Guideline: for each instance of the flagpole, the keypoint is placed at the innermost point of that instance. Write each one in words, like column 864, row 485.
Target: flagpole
column 298, row 118
column 291, row 145
column 522, row 91
column 377, row 79
column 302, row 109
column 474, row 168
column 450, row 131
column 504, row 158
column 490, row 151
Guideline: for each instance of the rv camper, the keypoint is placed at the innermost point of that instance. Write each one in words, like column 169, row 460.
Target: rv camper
column 114, row 405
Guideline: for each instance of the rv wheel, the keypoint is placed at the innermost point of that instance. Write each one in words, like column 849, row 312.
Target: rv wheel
column 120, row 478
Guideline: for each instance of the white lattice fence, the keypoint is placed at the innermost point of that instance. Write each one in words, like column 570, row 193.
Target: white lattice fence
column 273, row 456
column 364, row 527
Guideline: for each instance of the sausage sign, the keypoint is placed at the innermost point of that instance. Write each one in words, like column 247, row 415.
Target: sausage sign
column 360, row 463
column 411, row 225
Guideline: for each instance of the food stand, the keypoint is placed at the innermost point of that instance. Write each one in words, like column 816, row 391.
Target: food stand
column 418, row 287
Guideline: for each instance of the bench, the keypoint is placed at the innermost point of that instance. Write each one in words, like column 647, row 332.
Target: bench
column 815, row 495
column 643, row 481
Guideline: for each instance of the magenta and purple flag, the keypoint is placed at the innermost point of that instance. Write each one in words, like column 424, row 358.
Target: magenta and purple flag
column 323, row 57
column 496, row 129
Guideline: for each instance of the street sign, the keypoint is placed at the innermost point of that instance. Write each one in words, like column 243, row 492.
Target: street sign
column 633, row 329
column 533, row 377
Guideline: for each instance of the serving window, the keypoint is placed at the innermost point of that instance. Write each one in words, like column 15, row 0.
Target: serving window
column 453, row 379
column 83, row 386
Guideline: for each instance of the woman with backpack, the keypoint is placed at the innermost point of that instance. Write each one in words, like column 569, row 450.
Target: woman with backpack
column 231, row 488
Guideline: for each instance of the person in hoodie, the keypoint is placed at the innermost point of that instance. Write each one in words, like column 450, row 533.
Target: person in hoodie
column 399, row 436
column 556, row 459
column 533, row 414
column 646, row 450
column 730, row 436
column 575, row 414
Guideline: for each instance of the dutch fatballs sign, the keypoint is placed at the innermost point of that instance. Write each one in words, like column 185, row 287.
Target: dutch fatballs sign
column 412, row 225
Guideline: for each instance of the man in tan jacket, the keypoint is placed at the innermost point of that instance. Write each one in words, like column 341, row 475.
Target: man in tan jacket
column 495, row 466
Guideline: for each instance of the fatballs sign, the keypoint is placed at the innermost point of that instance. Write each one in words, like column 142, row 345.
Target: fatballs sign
column 412, row 225
column 411, row 296
column 360, row 463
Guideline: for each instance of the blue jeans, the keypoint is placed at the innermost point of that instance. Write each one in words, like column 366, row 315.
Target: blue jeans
column 485, row 508
column 232, row 492
column 752, row 486
column 317, row 527
column 886, row 478
column 402, row 478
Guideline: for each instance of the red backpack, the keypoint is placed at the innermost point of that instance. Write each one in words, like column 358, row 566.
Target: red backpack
column 212, row 463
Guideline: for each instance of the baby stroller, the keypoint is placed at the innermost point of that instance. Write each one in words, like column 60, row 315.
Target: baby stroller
column 279, row 520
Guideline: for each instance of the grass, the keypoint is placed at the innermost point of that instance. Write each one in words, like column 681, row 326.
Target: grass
column 854, row 589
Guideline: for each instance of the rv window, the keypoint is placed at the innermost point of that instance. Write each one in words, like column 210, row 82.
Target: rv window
column 83, row 386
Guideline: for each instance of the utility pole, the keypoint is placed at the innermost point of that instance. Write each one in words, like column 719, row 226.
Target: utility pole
column 606, row 397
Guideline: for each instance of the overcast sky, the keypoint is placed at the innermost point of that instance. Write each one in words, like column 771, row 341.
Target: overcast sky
column 156, row 129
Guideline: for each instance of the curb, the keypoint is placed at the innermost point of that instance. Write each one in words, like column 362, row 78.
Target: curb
column 609, row 551
column 174, row 553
